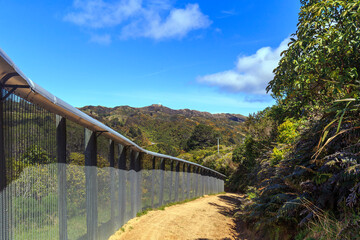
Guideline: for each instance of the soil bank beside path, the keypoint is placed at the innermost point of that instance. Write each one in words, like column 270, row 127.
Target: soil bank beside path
column 209, row 217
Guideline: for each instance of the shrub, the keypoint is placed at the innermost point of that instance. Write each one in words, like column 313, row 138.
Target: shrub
column 287, row 132
column 35, row 154
column 276, row 156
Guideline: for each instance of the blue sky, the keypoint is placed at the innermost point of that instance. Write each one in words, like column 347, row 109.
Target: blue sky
column 214, row 56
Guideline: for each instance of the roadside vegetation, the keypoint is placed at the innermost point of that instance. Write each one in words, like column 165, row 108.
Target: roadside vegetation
column 300, row 163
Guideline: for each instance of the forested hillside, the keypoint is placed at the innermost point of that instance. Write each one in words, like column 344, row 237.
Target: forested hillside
column 165, row 130
column 300, row 161
column 189, row 134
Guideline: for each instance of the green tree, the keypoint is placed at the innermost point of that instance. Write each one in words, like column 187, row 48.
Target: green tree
column 322, row 61
column 203, row 136
column 246, row 153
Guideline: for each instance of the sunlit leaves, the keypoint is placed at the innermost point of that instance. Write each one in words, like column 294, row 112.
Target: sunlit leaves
column 322, row 62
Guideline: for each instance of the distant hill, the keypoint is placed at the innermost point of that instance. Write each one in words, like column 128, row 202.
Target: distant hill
column 162, row 129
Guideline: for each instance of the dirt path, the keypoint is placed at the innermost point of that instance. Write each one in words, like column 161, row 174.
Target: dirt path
column 209, row 217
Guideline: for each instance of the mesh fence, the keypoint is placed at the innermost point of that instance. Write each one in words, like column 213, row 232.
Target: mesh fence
column 97, row 189
column 30, row 200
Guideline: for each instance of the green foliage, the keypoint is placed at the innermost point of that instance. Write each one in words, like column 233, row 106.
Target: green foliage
column 261, row 131
column 262, row 125
column 324, row 226
column 144, row 212
column 246, row 153
column 276, row 156
column 17, row 168
column 210, row 158
column 164, row 149
column 37, row 181
column 203, row 136
column 287, row 132
column 35, row 212
column 308, row 178
column 219, row 162
column 252, row 192
column 161, row 129
column 321, row 63
column 35, row 155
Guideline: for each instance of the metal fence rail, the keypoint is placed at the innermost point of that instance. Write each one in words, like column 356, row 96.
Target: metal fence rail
column 64, row 175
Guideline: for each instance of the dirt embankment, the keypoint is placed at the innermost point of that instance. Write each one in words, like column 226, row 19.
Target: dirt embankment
column 209, row 217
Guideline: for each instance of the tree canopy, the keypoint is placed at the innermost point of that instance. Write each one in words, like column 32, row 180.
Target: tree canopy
column 202, row 136
column 322, row 62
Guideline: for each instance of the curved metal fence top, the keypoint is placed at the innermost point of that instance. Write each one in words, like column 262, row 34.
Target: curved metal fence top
column 13, row 79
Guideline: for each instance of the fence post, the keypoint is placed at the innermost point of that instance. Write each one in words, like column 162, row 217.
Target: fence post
column 61, row 159
column 177, row 181
column 91, row 184
column 122, row 182
column 4, row 211
column 162, row 173
column 112, row 182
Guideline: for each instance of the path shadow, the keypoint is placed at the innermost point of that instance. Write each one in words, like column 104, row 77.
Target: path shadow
column 233, row 203
column 210, row 239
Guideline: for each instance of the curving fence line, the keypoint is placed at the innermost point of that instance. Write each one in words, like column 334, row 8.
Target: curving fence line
column 65, row 175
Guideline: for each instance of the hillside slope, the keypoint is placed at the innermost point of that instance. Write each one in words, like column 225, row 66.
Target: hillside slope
column 166, row 130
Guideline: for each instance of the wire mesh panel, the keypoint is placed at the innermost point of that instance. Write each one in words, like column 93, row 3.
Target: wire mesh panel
column 129, row 183
column 138, row 170
column 90, row 190
column 167, row 181
column 29, row 201
column 146, row 184
column 192, row 183
column 133, row 183
column 206, row 184
column 75, row 182
column 183, row 181
column 202, row 183
column 180, row 184
column 189, row 182
column 122, row 190
column 114, row 189
column 156, row 183
column 104, row 187
column 171, row 181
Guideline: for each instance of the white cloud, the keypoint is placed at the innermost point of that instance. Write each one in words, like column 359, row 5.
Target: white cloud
column 178, row 23
column 101, row 39
column 155, row 19
column 252, row 73
column 100, row 14
column 227, row 13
